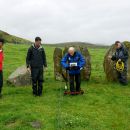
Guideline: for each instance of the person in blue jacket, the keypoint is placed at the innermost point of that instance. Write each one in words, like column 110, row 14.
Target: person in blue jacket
column 73, row 61
column 121, row 55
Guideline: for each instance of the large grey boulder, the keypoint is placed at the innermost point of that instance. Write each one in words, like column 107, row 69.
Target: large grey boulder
column 109, row 65
column 58, row 70
column 20, row 77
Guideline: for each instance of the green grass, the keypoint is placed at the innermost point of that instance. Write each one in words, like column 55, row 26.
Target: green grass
column 104, row 106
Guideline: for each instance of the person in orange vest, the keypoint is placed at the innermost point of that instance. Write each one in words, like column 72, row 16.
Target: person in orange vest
column 1, row 65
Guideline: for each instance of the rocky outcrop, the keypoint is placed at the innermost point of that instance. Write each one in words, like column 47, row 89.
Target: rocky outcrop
column 20, row 77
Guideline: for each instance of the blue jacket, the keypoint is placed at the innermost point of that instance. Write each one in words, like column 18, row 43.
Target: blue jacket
column 121, row 53
column 76, row 58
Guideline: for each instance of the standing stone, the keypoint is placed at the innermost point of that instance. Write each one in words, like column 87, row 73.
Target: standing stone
column 86, row 72
column 20, row 77
column 57, row 56
column 109, row 65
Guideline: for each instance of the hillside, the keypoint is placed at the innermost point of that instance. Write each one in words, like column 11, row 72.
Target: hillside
column 17, row 40
column 84, row 44
column 13, row 39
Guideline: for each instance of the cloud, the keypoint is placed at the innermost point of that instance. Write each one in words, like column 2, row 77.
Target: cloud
column 95, row 21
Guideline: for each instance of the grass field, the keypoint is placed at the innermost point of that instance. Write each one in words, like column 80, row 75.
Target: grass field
column 104, row 106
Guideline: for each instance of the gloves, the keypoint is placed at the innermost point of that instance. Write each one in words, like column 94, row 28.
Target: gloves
column 75, row 68
column 68, row 68
column 119, row 60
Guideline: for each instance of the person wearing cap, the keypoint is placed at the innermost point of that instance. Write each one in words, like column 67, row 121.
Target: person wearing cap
column 121, row 55
column 1, row 65
column 36, row 61
column 73, row 61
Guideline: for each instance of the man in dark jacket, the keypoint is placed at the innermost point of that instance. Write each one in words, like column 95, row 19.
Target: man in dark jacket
column 36, row 61
column 121, row 55
column 73, row 61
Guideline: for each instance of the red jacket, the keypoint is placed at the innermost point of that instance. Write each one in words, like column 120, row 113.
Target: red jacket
column 1, row 60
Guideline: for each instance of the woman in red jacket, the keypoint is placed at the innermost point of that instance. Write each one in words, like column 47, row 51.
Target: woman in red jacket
column 1, row 65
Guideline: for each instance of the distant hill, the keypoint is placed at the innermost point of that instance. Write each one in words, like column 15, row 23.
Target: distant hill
column 17, row 40
column 85, row 44
column 13, row 39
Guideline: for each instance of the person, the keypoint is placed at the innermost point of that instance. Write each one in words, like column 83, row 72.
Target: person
column 36, row 61
column 73, row 61
column 1, row 65
column 121, row 55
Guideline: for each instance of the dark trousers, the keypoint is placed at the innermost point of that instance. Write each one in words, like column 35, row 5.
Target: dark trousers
column 37, row 80
column 1, row 81
column 122, row 77
column 75, row 79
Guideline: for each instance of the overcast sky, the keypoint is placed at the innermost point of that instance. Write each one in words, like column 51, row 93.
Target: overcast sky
column 95, row 21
